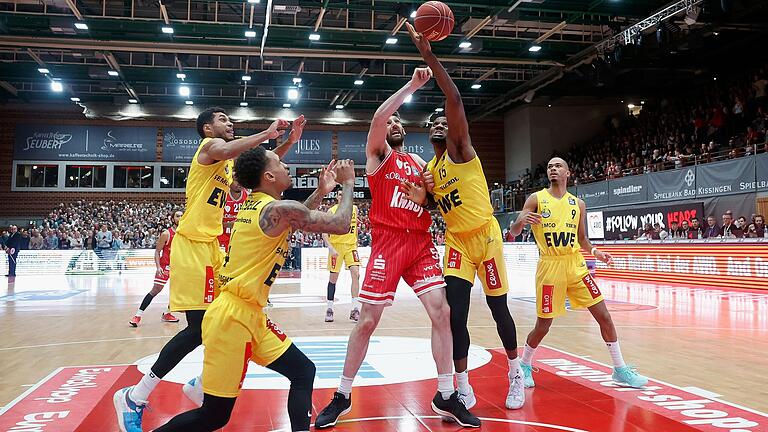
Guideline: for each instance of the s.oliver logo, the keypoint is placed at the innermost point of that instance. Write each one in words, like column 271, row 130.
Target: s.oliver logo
column 390, row 360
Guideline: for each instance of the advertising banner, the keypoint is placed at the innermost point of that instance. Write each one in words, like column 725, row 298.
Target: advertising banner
column 628, row 190
column 314, row 147
column 761, row 169
column 68, row 142
column 672, row 185
column 624, row 223
column 593, row 194
column 352, row 146
column 727, row 177
column 595, row 226
column 180, row 144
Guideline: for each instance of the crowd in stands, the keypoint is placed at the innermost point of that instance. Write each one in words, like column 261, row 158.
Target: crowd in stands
column 721, row 121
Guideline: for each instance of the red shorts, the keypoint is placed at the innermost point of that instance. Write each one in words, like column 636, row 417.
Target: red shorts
column 400, row 253
column 163, row 279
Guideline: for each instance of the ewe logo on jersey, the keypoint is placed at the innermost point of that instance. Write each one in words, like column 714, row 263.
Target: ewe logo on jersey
column 390, row 360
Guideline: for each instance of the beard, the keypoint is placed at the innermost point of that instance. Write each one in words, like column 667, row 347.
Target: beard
column 395, row 141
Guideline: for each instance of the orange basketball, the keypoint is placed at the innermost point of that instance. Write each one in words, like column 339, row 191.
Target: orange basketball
column 434, row 20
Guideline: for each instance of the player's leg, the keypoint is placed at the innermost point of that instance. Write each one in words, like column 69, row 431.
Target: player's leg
column 352, row 261
column 156, row 288
column 300, row 370
column 457, row 292
column 357, row 347
column 333, row 277
column 213, row 415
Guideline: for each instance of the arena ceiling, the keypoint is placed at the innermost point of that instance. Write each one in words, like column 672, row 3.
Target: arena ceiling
column 125, row 54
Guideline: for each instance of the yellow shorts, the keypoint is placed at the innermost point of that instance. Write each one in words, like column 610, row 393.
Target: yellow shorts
column 235, row 332
column 478, row 252
column 561, row 276
column 194, row 280
column 347, row 254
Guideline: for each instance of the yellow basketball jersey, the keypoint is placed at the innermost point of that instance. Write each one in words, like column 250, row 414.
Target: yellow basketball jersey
column 206, row 193
column 253, row 259
column 350, row 238
column 461, row 193
column 558, row 233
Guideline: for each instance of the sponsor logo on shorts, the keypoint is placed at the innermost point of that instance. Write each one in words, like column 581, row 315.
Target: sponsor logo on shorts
column 210, row 285
column 378, row 269
column 246, row 360
column 594, row 291
column 492, row 278
column 454, row 259
column 333, row 261
column 355, row 256
column 546, row 298
column 276, row 330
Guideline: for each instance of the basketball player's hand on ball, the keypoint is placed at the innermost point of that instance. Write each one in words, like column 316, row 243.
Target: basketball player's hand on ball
column 529, row 218
column 297, row 129
column 277, row 128
column 428, row 180
column 603, row 256
column 414, row 191
column 418, row 39
column 327, row 180
column 420, row 77
column 345, row 171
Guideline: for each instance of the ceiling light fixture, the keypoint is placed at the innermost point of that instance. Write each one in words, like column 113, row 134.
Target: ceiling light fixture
column 81, row 26
column 184, row 91
column 391, row 41
column 167, row 30
column 359, row 82
column 534, row 48
column 250, row 34
column 314, row 36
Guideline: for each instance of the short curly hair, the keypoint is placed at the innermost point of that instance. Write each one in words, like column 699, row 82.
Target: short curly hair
column 250, row 166
column 206, row 117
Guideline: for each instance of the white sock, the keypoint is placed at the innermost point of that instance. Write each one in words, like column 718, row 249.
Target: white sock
column 345, row 386
column 445, row 385
column 330, row 304
column 615, row 350
column 140, row 392
column 514, row 366
column 528, row 354
column 462, row 382
column 139, row 312
column 355, row 303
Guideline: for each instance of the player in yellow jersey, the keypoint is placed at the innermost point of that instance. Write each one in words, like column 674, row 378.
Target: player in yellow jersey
column 195, row 256
column 236, row 329
column 473, row 241
column 559, row 224
column 343, row 249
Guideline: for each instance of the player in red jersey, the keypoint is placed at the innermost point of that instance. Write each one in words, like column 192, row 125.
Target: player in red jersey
column 235, row 198
column 401, row 247
column 163, row 263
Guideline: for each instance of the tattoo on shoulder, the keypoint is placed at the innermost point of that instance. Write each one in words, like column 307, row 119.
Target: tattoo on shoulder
column 270, row 217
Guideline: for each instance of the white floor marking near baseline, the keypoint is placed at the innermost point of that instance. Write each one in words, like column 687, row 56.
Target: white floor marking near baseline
column 488, row 419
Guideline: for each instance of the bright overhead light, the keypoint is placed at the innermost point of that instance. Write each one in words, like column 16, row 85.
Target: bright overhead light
column 113, row 73
column 167, row 29
column 293, row 94
column 243, row 104
column 75, row 99
column 246, row 78
column 413, row 14
column 642, row 102
column 181, row 75
column 57, row 86
column 314, row 36
column 630, row 106
column 250, row 34
column 549, row 106
column 296, row 80
column 391, row 41
column 254, row 1
column 438, row 110
column 43, row 70
column 535, row 48
column 408, row 98
column 286, row 105
column 133, row 101
column 476, row 86
column 359, row 82
column 714, row 79
column 465, row 44
column 339, row 106
column 184, row 91
column 81, row 26
column 189, row 102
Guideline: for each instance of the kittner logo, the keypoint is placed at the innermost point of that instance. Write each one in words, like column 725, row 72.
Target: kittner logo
column 47, row 140
column 627, row 190
column 690, row 177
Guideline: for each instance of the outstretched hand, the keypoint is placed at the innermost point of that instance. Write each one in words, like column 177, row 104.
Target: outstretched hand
column 419, row 40
column 327, row 179
column 277, row 128
column 297, row 130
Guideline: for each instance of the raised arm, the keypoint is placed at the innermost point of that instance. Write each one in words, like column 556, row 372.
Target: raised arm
column 527, row 216
column 216, row 149
column 325, row 184
column 279, row 215
column 295, row 135
column 459, row 145
column 376, row 146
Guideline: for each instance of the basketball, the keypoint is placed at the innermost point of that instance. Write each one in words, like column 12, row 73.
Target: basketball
column 434, row 20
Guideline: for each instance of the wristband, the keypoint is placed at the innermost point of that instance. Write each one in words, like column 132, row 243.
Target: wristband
column 592, row 252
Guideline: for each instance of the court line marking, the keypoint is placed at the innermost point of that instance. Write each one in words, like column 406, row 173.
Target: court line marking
column 325, row 330
column 30, row 390
column 489, row 419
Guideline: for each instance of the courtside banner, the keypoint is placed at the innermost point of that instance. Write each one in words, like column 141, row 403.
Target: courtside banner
column 725, row 178
column 672, row 185
column 593, row 194
column 624, row 223
column 761, row 171
column 724, row 265
column 628, row 190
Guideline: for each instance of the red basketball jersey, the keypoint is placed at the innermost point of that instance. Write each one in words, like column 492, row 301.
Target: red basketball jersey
column 390, row 208
column 231, row 208
column 165, row 254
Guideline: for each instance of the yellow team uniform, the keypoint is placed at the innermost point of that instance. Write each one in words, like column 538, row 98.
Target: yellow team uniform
column 345, row 245
column 235, row 328
column 195, row 256
column 562, row 270
column 473, row 241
